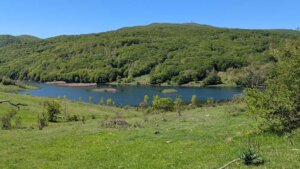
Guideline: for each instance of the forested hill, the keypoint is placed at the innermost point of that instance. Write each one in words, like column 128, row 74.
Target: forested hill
column 8, row 39
column 177, row 53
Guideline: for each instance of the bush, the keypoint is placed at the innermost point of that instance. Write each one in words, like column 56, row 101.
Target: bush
column 210, row 101
column 91, row 99
column 53, row 110
column 146, row 99
column 7, row 119
column 73, row 118
column 102, row 101
column 178, row 105
column 194, row 100
column 83, row 119
column 165, row 104
column 109, row 101
column 117, row 122
column 42, row 120
column 7, row 81
column 250, row 157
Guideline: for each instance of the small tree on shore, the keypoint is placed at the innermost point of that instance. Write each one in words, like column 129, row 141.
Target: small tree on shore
column 146, row 100
column 91, row 99
column 194, row 100
column 178, row 105
column 102, row 101
column 109, row 101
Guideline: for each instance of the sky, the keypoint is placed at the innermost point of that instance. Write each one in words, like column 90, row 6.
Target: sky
column 48, row 18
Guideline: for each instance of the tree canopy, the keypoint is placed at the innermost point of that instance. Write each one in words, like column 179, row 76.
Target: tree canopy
column 178, row 53
column 277, row 105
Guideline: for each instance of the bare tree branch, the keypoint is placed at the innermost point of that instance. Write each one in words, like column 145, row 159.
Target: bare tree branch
column 13, row 104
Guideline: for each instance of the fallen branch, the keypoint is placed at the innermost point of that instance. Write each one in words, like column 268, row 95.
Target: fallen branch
column 13, row 104
column 226, row 165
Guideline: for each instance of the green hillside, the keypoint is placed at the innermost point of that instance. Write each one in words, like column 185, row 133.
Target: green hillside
column 8, row 39
column 175, row 53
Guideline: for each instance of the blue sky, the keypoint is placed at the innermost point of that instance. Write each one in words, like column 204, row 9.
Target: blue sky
column 47, row 18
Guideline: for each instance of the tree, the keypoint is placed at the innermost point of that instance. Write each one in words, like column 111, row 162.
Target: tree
column 146, row 99
column 277, row 106
column 178, row 105
column 212, row 79
column 102, row 101
column 91, row 99
column 194, row 100
column 109, row 101
column 53, row 110
column 252, row 76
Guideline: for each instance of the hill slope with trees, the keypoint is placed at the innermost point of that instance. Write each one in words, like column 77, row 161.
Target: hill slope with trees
column 173, row 53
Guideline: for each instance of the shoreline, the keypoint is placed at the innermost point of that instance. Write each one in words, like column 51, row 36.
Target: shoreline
column 65, row 84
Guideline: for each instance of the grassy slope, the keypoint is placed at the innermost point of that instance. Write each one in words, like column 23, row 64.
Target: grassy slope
column 202, row 138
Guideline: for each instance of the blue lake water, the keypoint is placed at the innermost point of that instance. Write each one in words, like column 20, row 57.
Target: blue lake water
column 132, row 95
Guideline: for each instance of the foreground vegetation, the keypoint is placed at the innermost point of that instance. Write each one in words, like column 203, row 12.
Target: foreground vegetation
column 205, row 137
column 154, row 54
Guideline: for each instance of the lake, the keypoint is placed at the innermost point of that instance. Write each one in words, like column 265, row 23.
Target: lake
column 132, row 95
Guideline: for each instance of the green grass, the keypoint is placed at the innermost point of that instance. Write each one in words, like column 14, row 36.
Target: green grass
column 202, row 138
column 14, row 88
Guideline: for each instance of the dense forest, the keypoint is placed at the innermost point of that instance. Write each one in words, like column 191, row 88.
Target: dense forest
column 164, row 53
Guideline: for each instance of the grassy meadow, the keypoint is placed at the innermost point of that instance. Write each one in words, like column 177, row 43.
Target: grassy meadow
column 204, row 137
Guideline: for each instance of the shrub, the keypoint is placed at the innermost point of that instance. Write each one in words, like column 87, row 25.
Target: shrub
column 146, row 99
column 42, row 120
column 53, row 110
column 83, row 119
column 178, row 105
column 194, row 100
column 117, row 122
column 8, row 81
column 165, row 104
column 72, row 118
column 109, row 101
column 91, row 99
column 102, row 101
column 250, row 157
column 143, row 105
column 7, row 119
column 210, row 101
